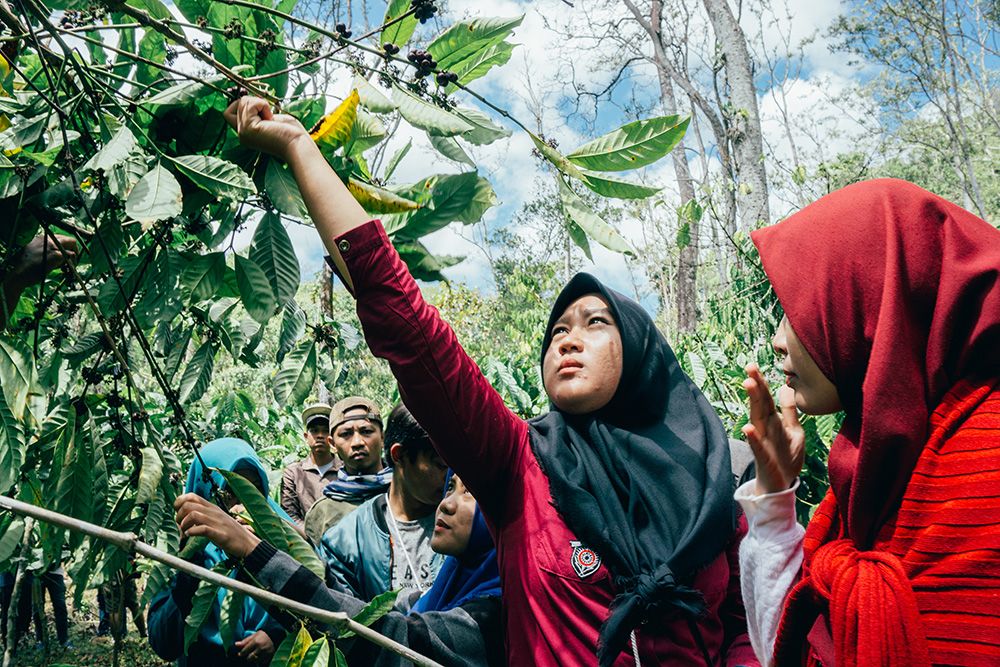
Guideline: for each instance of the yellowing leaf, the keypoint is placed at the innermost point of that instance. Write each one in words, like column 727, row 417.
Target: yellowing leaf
column 335, row 127
column 377, row 200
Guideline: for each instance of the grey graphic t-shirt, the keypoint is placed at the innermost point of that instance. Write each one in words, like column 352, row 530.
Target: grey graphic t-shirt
column 416, row 539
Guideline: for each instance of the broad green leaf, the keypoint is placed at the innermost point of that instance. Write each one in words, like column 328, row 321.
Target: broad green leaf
column 152, row 47
column 302, row 551
column 154, row 8
column 394, row 161
column 204, row 275
column 698, row 372
column 11, row 447
column 149, row 476
column 480, row 63
column 318, row 654
column 690, row 211
column 683, row 238
column 427, row 116
column 204, row 602
column 501, row 375
column 607, row 186
column 484, row 131
column 398, row 33
column 466, row 40
column 447, row 198
column 161, row 299
column 283, row 191
column 75, row 492
column 377, row 200
column 295, row 379
column 341, row 658
column 293, row 325
column 421, row 263
column 136, row 270
column 367, row 132
column 271, row 249
column 17, row 374
column 255, row 290
column 335, row 128
column 293, row 649
column 124, row 177
column 198, row 373
column 11, row 539
column 371, row 97
column 590, row 222
column 827, row 426
column 220, row 177
column 579, row 238
column 229, row 616
column 451, row 149
column 379, row 606
column 157, row 196
column 634, row 145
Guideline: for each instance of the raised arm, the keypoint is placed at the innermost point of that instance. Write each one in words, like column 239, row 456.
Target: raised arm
column 467, row 420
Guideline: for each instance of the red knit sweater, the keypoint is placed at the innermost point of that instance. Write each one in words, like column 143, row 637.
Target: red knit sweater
column 929, row 590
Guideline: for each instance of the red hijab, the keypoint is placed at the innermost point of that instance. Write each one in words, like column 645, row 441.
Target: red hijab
column 895, row 293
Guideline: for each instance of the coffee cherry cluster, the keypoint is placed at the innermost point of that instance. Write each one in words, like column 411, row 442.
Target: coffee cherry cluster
column 425, row 9
column 444, row 78
column 390, row 48
column 423, row 61
column 343, row 31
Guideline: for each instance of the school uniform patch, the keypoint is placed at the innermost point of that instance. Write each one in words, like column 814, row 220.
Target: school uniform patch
column 585, row 560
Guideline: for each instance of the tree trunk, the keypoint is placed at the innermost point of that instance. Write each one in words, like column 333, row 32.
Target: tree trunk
column 747, row 140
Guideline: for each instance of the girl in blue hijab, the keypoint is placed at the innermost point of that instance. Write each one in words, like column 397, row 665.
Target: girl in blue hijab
column 470, row 571
column 256, row 634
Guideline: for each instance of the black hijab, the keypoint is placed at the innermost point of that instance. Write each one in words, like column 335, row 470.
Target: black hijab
column 646, row 481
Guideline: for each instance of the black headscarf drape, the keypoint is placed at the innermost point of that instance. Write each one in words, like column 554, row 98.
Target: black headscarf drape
column 646, row 481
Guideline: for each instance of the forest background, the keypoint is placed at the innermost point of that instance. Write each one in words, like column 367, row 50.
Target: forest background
column 201, row 307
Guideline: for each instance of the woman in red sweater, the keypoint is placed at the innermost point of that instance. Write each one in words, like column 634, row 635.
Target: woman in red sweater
column 638, row 563
column 892, row 313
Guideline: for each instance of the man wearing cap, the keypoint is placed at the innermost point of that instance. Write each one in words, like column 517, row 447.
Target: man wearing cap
column 303, row 481
column 356, row 437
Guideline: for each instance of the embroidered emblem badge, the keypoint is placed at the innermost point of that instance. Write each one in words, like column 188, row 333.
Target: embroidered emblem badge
column 585, row 560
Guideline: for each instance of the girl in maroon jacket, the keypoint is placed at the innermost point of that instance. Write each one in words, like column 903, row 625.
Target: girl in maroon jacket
column 613, row 514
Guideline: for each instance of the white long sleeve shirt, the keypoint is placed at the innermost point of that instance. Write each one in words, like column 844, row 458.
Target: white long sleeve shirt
column 770, row 562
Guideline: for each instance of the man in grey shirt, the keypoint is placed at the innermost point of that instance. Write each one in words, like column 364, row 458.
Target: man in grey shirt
column 385, row 544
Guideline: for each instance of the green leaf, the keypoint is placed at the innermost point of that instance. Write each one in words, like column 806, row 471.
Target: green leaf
column 293, row 649
column 283, row 191
column 75, row 492
column 480, row 63
column 17, row 374
column 590, row 222
column 373, row 611
column 220, row 177
column 698, row 372
column 11, row 539
column 683, row 235
column 198, row 373
column 579, row 238
column 318, row 654
column 690, row 211
column 615, row 187
column 295, row 379
column 427, row 116
column 302, row 551
column 341, row 658
column 465, row 41
column 557, row 159
column 149, row 476
column 372, row 98
column 634, row 145
column 421, row 263
column 229, row 616
column 201, row 610
column 151, row 47
column 157, row 196
column 451, row 149
column 367, row 132
column 154, row 8
column 204, row 275
column 376, row 200
column 12, row 447
column 447, row 198
column 503, row 379
column 271, row 249
column 293, row 325
column 398, row 33
column 255, row 290
column 394, row 161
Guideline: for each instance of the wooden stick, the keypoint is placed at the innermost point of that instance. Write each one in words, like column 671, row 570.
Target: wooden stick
column 129, row 543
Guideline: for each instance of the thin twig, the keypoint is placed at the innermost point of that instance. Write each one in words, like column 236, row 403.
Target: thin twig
column 130, row 543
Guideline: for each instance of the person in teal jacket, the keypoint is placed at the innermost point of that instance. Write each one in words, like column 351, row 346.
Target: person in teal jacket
column 256, row 634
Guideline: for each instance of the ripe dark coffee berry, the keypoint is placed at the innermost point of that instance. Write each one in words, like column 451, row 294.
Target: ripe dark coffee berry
column 390, row 48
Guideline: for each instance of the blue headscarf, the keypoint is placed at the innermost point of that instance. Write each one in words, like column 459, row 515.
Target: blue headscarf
column 229, row 454
column 472, row 575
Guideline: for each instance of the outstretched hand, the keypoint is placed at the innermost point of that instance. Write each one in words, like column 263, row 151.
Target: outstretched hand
column 777, row 439
column 197, row 516
column 262, row 129
column 258, row 647
column 40, row 256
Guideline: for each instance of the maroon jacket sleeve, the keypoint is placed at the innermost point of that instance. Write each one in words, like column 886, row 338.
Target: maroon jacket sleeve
column 736, row 644
column 472, row 429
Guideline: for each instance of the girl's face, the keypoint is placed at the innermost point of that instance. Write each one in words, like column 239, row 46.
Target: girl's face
column 814, row 393
column 583, row 365
column 453, row 525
